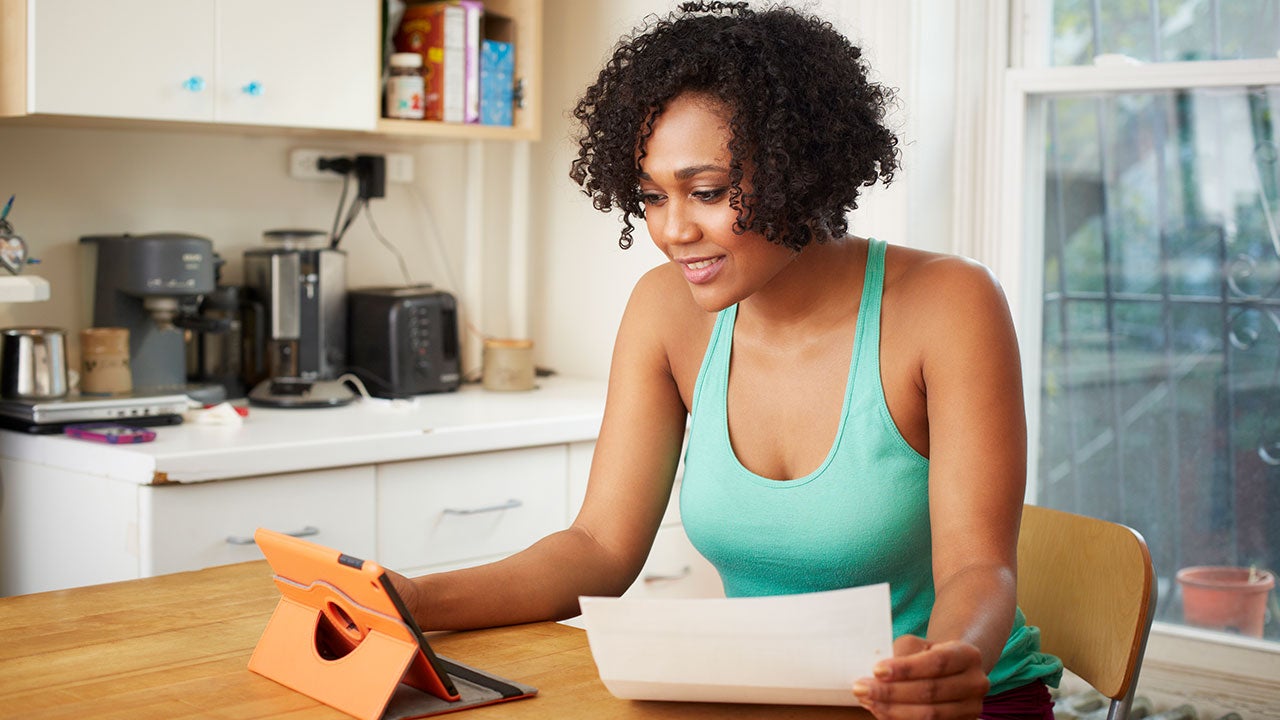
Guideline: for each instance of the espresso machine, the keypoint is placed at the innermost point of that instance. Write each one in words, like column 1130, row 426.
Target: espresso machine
column 152, row 285
column 301, row 284
column 224, row 345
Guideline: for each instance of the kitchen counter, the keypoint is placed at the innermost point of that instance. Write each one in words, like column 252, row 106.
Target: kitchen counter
column 273, row 441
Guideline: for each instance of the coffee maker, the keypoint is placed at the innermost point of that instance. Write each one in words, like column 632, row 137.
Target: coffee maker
column 223, row 345
column 152, row 285
column 301, row 284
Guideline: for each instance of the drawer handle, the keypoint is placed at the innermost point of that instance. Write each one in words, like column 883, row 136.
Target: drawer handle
column 685, row 572
column 307, row 531
column 508, row 505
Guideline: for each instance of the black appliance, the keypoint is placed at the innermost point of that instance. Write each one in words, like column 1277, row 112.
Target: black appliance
column 403, row 341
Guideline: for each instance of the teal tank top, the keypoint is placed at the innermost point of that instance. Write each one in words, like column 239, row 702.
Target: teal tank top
column 861, row 517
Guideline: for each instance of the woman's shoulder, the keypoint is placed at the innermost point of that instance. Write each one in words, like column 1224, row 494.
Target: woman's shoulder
column 661, row 303
column 928, row 277
column 939, row 294
column 662, row 312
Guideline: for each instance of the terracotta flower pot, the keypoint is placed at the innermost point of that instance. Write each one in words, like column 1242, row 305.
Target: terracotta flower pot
column 1226, row 598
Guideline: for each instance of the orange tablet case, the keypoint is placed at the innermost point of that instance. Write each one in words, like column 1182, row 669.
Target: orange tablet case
column 342, row 635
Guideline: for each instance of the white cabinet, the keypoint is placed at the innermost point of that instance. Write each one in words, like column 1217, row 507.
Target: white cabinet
column 292, row 63
column 298, row 63
column 453, row 511
column 183, row 527
column 126, row 58
column 675, row 569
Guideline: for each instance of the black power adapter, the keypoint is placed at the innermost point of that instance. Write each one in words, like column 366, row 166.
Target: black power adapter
column 371, row 171
column 371, row 176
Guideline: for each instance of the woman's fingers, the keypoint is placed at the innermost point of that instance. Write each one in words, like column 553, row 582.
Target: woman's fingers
column 927, row 660
column 925, row 680
column 927, row 691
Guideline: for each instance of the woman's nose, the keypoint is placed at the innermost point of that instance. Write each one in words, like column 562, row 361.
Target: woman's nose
column 679, row 226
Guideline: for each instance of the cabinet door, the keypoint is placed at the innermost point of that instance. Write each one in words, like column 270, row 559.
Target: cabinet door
column 191, row 526
column 675, row 569
column 125, row 58
column 446, row 510
column 61, row 529
column 298, row 63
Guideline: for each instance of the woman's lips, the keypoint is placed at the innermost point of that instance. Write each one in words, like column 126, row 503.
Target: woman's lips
column 701, row 270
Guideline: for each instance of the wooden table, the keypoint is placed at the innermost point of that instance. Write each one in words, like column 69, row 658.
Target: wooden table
column 178, row 646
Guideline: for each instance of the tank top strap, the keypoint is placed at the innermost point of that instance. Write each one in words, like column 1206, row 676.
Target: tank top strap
column 713, row 377
column 867, row 343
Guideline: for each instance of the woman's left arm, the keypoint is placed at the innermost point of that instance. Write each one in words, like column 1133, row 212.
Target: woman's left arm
column 970, row 374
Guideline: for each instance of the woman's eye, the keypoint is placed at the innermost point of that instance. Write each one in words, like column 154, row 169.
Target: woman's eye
column 651, row 198
column 709, row 195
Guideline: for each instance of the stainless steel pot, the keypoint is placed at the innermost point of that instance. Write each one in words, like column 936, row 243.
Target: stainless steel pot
column 33, row 363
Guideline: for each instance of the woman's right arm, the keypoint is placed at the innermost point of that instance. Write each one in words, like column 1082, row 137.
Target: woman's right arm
column 630, row 482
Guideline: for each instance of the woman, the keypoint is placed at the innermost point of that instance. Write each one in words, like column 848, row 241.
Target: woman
column 870, row 425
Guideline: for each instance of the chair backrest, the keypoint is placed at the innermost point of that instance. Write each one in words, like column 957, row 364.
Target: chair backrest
column 1088, row 584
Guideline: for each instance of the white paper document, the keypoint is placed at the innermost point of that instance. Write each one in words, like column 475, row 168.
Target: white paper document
column 790, row 649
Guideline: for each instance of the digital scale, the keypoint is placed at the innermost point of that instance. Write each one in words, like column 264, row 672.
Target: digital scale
column 51, row 416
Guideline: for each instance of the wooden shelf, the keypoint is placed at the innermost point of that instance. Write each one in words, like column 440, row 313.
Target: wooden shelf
column 453, row 131
column 23, row 288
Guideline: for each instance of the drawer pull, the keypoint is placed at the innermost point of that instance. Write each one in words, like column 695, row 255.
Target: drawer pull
column 307, row 531
column 684, row 573
column 508, row 505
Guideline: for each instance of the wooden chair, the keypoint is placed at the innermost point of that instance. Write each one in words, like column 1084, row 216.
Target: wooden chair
column 1088, row 584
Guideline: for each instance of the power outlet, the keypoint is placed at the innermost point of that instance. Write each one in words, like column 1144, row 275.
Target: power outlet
column 303, row 165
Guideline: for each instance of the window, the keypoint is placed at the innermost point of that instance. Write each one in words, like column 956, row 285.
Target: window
column 1144, row 232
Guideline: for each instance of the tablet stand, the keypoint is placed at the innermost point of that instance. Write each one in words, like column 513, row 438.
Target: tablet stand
column 359, row 683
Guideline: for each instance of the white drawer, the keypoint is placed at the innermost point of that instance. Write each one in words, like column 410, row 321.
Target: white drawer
column 449, row 509
column 199, row 525
column 675, row 569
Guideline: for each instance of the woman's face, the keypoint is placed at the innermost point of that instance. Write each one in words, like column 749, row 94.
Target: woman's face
column 684, row 184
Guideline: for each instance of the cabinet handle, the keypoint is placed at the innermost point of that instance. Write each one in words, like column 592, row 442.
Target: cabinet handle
column 508, row 505
column 684, row 573
column 195, row 83
column 254, row 88
column 307, row 531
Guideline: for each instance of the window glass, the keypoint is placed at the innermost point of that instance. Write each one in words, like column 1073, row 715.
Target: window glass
column 1164, row 30
column 1160, row 377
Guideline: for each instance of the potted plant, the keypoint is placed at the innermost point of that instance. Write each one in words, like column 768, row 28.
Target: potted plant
column 1227, row 598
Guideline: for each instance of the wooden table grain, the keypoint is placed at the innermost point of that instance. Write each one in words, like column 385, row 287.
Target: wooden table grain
column 178, row 646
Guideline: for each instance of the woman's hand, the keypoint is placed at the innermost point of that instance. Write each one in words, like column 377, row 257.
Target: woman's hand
column 925, row 680
column 407, row 590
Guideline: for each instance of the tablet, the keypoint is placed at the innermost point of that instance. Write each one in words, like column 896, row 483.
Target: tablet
column 347, row 601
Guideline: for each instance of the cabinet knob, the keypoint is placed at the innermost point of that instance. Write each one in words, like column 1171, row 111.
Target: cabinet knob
column 195, row 83
column 254, row 88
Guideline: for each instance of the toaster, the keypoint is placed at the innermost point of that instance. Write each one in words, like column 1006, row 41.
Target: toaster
column 403, row 341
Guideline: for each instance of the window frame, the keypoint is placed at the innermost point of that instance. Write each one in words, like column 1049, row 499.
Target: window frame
column 1179, row 660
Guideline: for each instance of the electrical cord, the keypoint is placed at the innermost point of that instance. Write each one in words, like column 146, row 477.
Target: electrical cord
column 352, row 211
column 377, row 233
column 342, row 199
column 469, row 376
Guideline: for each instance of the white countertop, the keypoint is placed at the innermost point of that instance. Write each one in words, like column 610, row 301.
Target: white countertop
column 272, row 441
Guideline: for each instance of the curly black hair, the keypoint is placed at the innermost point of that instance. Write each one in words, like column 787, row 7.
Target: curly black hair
column 802, row 114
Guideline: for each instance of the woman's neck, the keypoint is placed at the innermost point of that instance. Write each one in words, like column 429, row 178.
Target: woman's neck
column 815, row 292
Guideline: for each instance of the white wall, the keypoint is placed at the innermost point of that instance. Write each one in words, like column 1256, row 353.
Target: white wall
column 227, row 187
column 231, row 187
